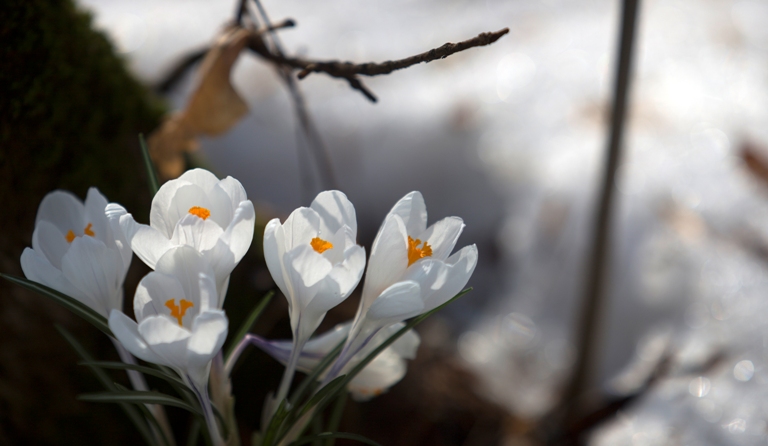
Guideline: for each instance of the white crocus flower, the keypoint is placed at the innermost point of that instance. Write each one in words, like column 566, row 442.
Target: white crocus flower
column 178, row 323
column 315, row 261
column 198, row 210
column 75, row 251
column 410, row 271
column 384, row 371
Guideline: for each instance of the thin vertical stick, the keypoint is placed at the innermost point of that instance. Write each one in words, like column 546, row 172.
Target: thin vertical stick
column 594, row 288
column 315, row 142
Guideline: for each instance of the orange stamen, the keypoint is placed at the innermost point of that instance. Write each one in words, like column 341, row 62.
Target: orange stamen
column 70, row 236
column 89, row 231
column 200, row 212
column 415, row 253
column 178, row 311
column 320, row 245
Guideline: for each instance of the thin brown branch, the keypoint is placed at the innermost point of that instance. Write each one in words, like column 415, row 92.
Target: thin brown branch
column 347, row 69
column 350, row 71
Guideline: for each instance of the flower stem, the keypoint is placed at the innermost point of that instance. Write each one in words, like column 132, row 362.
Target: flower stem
column 139, row 383
column 210, row 419
column 290, row 370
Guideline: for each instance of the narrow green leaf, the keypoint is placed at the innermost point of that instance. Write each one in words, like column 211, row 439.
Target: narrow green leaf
column 154, row 184
column 308, row 382
column 194, row 432
column 318, row 399
column 412, row 323
column 274, row 424
column 137, row 397
column 336, row 413
column 329, row 389
column 72, row 304
column 147, row 416
column 133, row 414
column 326, row 435
column 361, row 365
column 139, row 368
column 246, row 326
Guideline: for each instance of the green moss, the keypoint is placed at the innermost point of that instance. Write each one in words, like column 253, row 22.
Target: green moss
column 70, row 114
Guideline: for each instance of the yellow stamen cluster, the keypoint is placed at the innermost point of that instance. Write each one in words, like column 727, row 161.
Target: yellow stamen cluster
column 178, row 311
column 320, row 245
column 200, row 212
column 88, row 231
column 415, row 253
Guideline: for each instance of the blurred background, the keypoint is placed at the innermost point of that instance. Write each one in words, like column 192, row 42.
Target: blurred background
column 510, row 137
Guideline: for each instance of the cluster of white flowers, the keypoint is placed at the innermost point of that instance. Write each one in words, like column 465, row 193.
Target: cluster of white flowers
column 201, row 227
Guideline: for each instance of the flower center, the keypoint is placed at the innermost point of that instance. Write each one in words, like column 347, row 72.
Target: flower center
column 87, row 231
column 178, row 311
column 200, row 212
column 415, row 253
column 320, row 245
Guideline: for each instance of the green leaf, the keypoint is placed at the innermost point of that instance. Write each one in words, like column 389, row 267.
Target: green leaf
column 320, row 398
column 139, row 368
column 329, row 389
column 361, row 365
column 274, row 424
column 147, row 415
column 133, row 414
column 307, row 383
column 412, row 323
column 327, row 435
column 194, row 432
column 336, row 413
column 246, row 326
column 154, row 184
column 72, row 304
column 137, row 397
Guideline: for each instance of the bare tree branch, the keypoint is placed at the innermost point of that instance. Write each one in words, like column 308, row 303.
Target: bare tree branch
column 350, row 71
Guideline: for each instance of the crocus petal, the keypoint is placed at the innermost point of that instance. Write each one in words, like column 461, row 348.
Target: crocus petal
column 63, row 210
column 305, row 266
column 201, row 177
column 166, row 339
column 113, row 212
column 406, row 345
column 208, row 334
column 187, row 197
column 398, row 302
column 382, row 373
column 37, row 268
column 95, row 204
column 442, row 236
column 412, row 210
column 349, row 272
column 193, row 231
column 147, row 243
column 458, row 269
column 274, row 250
column 239, row 234
column 388, row 260
column 185, row 264
column 91, row 267
column 50, row 241
column 300, row 228
column 158, row 217
column 127, row 332
column 154, row 290
column 234, row 191
column 335, row 211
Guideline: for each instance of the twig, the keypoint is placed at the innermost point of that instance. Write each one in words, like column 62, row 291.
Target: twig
column 308, row 127
column 594, row 290
column 346, row 69
column 349, row 71
column 185, row 63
